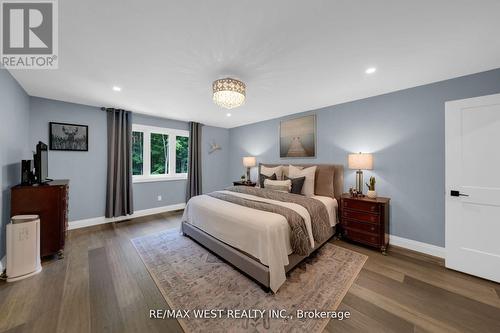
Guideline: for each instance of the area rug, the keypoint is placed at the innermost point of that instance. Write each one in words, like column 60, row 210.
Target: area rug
column 192, row 280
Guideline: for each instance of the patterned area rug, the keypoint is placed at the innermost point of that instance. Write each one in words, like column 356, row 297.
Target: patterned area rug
column 192, row 278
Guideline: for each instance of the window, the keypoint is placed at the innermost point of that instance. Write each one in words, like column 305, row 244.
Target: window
column 137, row 153
column 181, row 151
column 159, row 153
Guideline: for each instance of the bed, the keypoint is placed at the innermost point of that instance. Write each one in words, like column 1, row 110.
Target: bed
column 258, row 242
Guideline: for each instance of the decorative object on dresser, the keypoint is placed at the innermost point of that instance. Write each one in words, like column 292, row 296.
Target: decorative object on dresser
column 360, row 162
column 366, row 220
column 70, row 137
column 244, row 183
column 371, row 188
column 249, row 162
column 50, row 202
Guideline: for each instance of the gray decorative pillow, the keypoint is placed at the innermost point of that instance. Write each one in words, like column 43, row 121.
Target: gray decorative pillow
column 263, row 177
column 297, row 184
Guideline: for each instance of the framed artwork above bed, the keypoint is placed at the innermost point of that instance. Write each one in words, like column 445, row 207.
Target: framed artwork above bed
column 298, row 137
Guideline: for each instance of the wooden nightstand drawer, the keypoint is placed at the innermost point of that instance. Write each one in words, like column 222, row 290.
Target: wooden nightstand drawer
column 361, row 216
column 361, row 205
column 359, row 236
column 361, row 226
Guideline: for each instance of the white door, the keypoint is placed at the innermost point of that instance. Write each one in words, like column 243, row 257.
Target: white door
column 473, row 186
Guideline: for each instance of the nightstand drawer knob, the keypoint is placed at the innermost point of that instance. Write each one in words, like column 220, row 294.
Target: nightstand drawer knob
column 372, row 228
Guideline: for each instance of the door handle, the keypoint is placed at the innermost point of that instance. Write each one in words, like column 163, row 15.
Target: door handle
column 455, row 193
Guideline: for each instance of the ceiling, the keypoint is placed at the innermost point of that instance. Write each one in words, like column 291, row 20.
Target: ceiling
column 293, row 55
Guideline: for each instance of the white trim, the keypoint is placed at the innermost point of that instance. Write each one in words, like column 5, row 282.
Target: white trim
column 102, row 220
column 159, row 130
column 410, row 244
column 158, row 178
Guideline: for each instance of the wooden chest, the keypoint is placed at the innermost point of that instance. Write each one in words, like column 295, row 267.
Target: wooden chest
column 365, row 220
column 50, row 202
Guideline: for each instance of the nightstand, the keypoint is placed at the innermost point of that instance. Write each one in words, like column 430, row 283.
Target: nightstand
column 244, row 183
column 365, row 220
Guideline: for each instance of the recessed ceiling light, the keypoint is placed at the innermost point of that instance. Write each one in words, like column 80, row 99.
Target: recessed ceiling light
column 370, row 70
column 115, row 88
column 228, row 115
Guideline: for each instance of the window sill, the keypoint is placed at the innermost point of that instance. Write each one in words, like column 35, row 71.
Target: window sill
column 158, row 179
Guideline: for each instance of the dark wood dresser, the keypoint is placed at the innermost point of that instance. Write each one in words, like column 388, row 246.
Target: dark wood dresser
column 366, row 220
column 50, row 202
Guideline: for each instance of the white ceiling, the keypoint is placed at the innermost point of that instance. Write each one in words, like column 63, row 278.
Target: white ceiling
column 293, row 55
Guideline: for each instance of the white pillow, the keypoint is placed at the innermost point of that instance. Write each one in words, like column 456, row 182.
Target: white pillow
column 309, row 173
column 269, row 171
column 278, row 185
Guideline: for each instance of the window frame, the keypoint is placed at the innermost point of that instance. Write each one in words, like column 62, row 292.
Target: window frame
column 172, row 154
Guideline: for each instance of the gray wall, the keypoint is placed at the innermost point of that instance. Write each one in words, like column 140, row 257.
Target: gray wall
column 404, row 130
column 14, row 110
column 215, row 165
column 87, row 170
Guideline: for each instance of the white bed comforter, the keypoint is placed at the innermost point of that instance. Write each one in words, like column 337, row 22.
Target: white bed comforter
column 264, row 235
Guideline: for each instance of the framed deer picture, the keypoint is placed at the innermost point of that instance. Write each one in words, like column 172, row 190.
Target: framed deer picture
column 69, row 137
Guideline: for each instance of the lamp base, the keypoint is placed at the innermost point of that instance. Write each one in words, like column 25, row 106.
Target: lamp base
column 359, row 181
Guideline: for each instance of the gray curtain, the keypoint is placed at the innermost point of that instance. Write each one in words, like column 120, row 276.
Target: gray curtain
column 119, row 184
column 194, row 171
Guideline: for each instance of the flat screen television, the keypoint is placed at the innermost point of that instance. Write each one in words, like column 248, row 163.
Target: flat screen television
column 41, row 163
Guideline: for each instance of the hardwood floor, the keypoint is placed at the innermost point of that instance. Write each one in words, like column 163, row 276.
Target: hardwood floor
column 102, row 286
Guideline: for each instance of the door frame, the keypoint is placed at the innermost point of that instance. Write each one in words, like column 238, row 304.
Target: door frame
column 453, row 158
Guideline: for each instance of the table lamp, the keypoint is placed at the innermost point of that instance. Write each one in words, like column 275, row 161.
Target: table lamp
column 249, row 162
column 360, row 162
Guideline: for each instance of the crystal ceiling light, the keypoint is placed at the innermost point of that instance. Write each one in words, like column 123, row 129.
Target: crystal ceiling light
column 229, row 93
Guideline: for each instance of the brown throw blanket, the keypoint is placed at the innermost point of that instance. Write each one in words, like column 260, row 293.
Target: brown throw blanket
column 320, row 220
column 299, row 239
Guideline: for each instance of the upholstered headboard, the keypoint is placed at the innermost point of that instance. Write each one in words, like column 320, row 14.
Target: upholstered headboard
column 329, row 178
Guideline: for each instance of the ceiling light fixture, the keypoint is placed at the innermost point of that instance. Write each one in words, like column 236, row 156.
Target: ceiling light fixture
column 228, row 93
column 370, row 70
column 228, row 115
column 115, row 88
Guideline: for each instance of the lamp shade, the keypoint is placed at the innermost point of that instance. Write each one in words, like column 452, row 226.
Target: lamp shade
column 360, row 161
column 249, row 161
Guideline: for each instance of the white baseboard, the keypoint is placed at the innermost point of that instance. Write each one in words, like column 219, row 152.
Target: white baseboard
column 102, row 220
column 429, row 249
column 410, row 244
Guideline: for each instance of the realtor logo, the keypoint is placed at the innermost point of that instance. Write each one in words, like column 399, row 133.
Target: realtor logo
column 29, row 34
